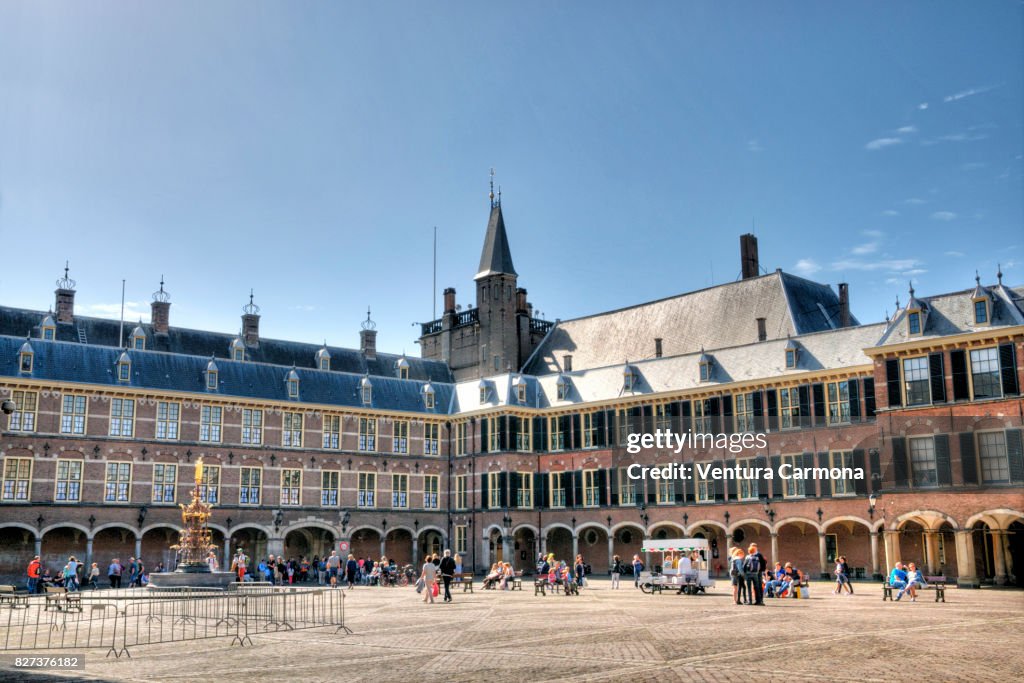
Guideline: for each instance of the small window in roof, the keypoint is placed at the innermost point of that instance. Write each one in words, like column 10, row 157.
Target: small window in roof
column 292, row 383
column 706, row 369
column 48, row 328
column 982, row 302
column 628, row 378
column 237, row 349
column 211, row 376
column 914, row 322
column 562, row 385
column 25, row 356
column 124, row 368
column 402, row 368
column 366, row 391
column 139, row 338
column 428, row 397
column 323, row 358
column 792, row 354
column 980, row 312
column 484, row 392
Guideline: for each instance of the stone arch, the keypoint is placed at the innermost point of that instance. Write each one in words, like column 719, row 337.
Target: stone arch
column 797, row 539
column 707, row 523
column 591, row 525
column 73, row 525
column 488, row 530
column 627, row 540
column 927, row 519
column 18, row 525
column 554, row 525
column 847, row 518
column 633, row 525
column 156, row 550
column 364, row 541
column 19, row 547
column 849, row 536
column 750, row 520
column 150, row 527
column 1000, row 518
column 242, row 526
column 797, row 520
column 295, row 526
column 524, row 525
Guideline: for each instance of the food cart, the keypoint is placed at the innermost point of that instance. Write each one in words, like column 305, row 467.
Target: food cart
column 673, row 574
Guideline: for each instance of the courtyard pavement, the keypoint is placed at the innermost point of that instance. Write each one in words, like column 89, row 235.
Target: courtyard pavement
column 608, row 635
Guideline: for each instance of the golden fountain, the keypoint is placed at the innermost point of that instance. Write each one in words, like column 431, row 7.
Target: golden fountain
column 195, row 541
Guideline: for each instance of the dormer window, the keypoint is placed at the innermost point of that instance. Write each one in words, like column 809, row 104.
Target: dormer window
column 916, row 311
column 520, row 386
column 914, row 322
column 706, row 364
column 629, row 378
column 139, row 339
column 292, row 383
column 48, row 328
column 484, row 392
column 366, row 391
column 428, row 397
column 981, row 312
column 211, row 373
column 25, row 356
column 402, row 368
column 124, row 368
column 792, row 354
column 982, row 303
column 237, row 349
column 323, row 359
column 562, row 386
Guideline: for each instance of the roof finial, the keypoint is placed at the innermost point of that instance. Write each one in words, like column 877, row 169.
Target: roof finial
column 977, row 278
column 491, row 195
column 897, row 302
column 887, row 316
column 911, row 283
column 251, row 308
column 368, row 324
column 66, row 282
column 499, row 195
column 161, row 295
column 999, row 273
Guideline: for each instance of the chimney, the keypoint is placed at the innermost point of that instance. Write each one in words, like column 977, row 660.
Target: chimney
column 65, row 298
column 657, row 347
column 521, row 305
column 251, row 322
column 748, row 256
column 567, row 363
column 844, row 304
column 762, row 329
column 368, row 337
column 449, row 300
column 160, row 310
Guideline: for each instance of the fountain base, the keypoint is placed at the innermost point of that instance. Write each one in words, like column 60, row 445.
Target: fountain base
column 192, row 577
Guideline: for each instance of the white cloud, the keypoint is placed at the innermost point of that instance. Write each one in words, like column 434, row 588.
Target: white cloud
column 891, row 265
column 133, row 310
column 806, row 267
column 969, row 92
column 882, row 143
column 866, row 248
column 890, row 212
column 922, row 106
column 906, row 130
column 956, row 254
column 944, row 216
column 873, row 233
column 303, row 307
column 754, row 146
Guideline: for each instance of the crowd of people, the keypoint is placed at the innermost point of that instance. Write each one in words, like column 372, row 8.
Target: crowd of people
column 75, row 576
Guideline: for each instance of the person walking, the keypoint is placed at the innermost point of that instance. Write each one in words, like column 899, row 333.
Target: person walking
column 351, row 570
column 114, row 573
column 447, row 569
column 638, row 567
column 754, row 567
column 616, row 571
column 94, row 575
column 211, row 562
column 842, row 576
column 333, row 568
column 34, row 571
column 738, row 577
column 429, row 576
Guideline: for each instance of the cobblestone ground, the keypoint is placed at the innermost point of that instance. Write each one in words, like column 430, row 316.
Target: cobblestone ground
column 606, row 635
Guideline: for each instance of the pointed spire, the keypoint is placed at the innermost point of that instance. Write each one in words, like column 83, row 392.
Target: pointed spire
column 496, row 257
column 999, row 273
column 491, row 195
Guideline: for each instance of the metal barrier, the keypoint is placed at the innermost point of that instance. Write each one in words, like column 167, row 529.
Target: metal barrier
column 119, row 623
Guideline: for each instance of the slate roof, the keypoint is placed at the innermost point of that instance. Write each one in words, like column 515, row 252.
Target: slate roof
column 716, row 317
column 953, row 313
column 102, row 332
column 496, row 256
column 175, row 372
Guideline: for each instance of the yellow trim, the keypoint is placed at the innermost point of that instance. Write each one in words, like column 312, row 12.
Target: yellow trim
column 917, row 346
column 325, row 487
column 592, row 475
column 219, row 423
column 85, row 415
column 16, row 479
column 117, row 481
column 371, row 481
column 131, row 422
column 174, row 487
column 436, row 490
column 259, row 489
column 57, row 480
column 285, row 473
column 291, row 416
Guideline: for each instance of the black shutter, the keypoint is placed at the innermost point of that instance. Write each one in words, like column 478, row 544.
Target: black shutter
column 1015, row 455
column 764, row 484
column 503, row 485
column 900, row 466
column 818, row 393
column 773, row 410
column 968, row 462
column 892, row 382
column 690, row 485
column 1008, row 368
column 648, row 421
column 513, row 492
column 936, row 373
column 776, row 462
column 727, row 423
column 719, row 484
column 484, row 498
column 854, row 385
column 483, row 434
column 674, row 419
column 809, row 484
column 869, row 397
column 577, row 488
column 958, row 368
column 942, row 468
column 540, row 493
column 636, row 419
column 503, row 433
column 860, row 486
column 602, row 487
column 713, row 408
column 680, row 492
column 613, row 475
column 758, row 412
column 876, row 470
column 600, row 423
column 804, row 393
column 730, row 482
column 540, row 434
column 825, row 484
column 613, row 428
column 577, row 434
column 685, row 421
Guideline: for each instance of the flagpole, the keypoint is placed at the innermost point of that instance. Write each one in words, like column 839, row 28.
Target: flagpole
column 120, row 335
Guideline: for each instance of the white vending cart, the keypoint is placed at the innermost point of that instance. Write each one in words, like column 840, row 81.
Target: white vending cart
column 674, row 573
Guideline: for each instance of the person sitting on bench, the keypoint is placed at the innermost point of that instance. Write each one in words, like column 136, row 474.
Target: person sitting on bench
column 898, row 579
column 493, row 576
column 915, row 580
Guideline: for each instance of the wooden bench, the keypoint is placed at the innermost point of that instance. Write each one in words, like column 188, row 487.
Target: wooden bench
column 517, row 581
column 938, row 584
column 13, row 598
column 466, row 579
column 540, row 585
column 60, row 599
column 886, row 591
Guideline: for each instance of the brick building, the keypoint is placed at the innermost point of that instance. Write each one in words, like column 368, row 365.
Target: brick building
column 509, row 435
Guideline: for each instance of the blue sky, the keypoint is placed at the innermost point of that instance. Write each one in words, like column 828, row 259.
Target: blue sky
column 307, row 150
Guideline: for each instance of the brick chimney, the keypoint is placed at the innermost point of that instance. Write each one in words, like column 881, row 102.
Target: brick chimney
column 368, row 337
column 762, row 329
column 251, row 322
column 748, row 256
column 449, row 300
column 160, row 310
column 521, row 304
column 64, row 305
column 844, row 304
column 657, row 347
column 567, row 363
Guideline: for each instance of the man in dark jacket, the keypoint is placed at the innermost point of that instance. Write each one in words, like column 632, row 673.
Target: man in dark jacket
column 753, row 568
column 447, row 568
